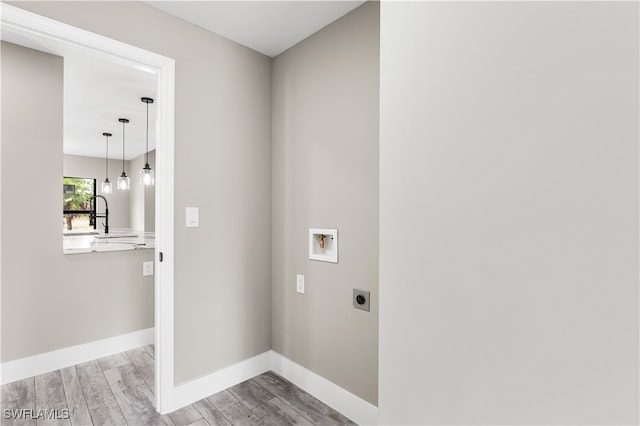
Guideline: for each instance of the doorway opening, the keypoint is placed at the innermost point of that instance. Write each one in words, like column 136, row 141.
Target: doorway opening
column 33, row 31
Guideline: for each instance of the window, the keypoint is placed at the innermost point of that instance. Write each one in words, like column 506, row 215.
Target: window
column 78, row 210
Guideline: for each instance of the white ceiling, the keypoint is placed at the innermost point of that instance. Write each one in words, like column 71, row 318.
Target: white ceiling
column 96, row 94
column 269, row 27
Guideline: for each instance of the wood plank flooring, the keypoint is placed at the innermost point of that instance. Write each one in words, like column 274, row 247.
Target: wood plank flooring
column 119, row 390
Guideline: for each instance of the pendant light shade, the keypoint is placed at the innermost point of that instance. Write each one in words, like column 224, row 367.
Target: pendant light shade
column 146, row 174
column 123, row 179
column 106, row 185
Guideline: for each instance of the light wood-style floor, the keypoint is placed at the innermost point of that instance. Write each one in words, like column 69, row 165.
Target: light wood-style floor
column 119, row 390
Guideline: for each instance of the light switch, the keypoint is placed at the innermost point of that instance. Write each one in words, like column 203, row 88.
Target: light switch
column 193, row 217
column 147, row 268
column 300, row 283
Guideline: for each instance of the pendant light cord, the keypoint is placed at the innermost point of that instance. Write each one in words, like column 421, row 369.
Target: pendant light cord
column 123, row 123
column 106, row 160
column 146, row 157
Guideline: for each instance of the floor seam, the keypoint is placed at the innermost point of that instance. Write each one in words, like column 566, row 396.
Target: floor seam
column 112, row 394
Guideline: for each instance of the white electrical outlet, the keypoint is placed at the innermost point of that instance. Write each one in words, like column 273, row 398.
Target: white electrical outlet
column 300, row 283
column 147, row 268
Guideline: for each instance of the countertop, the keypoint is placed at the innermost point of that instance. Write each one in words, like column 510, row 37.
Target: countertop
column 115, row 240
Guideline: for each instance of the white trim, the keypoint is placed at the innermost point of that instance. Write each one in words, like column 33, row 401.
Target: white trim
column 62, row 358
column 26, row 28
column 340, row 399
column 220, row 380
column 23, row 27
column 350, row 405
column 164, row 240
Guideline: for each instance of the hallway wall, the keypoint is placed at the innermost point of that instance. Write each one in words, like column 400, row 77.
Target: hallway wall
column 509, row 213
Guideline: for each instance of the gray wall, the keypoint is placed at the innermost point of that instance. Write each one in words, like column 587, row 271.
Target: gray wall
column 50, row 300
column 325, row 175
column 91, row 167
column 222, row 165
column 150, row 199
column 136, row 194
column 509, row 213
column 142, row 198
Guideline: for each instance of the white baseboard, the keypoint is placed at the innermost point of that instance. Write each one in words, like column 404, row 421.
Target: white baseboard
column 340, row 399
column 195, row 390
column 355, row 408
column 62, row 358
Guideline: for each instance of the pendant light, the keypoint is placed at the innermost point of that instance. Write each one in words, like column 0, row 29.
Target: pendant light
column 106, row 185
column 123, row 179
column 146, row 174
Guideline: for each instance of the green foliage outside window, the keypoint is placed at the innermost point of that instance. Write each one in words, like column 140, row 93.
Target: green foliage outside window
column 77, row 195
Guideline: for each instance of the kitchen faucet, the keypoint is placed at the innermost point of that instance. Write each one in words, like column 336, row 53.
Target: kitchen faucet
column 105, row 215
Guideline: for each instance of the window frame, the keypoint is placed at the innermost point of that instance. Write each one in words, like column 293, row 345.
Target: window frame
column 91, row 212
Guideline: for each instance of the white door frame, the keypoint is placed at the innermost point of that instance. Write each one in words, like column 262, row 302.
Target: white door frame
column 29, row 29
